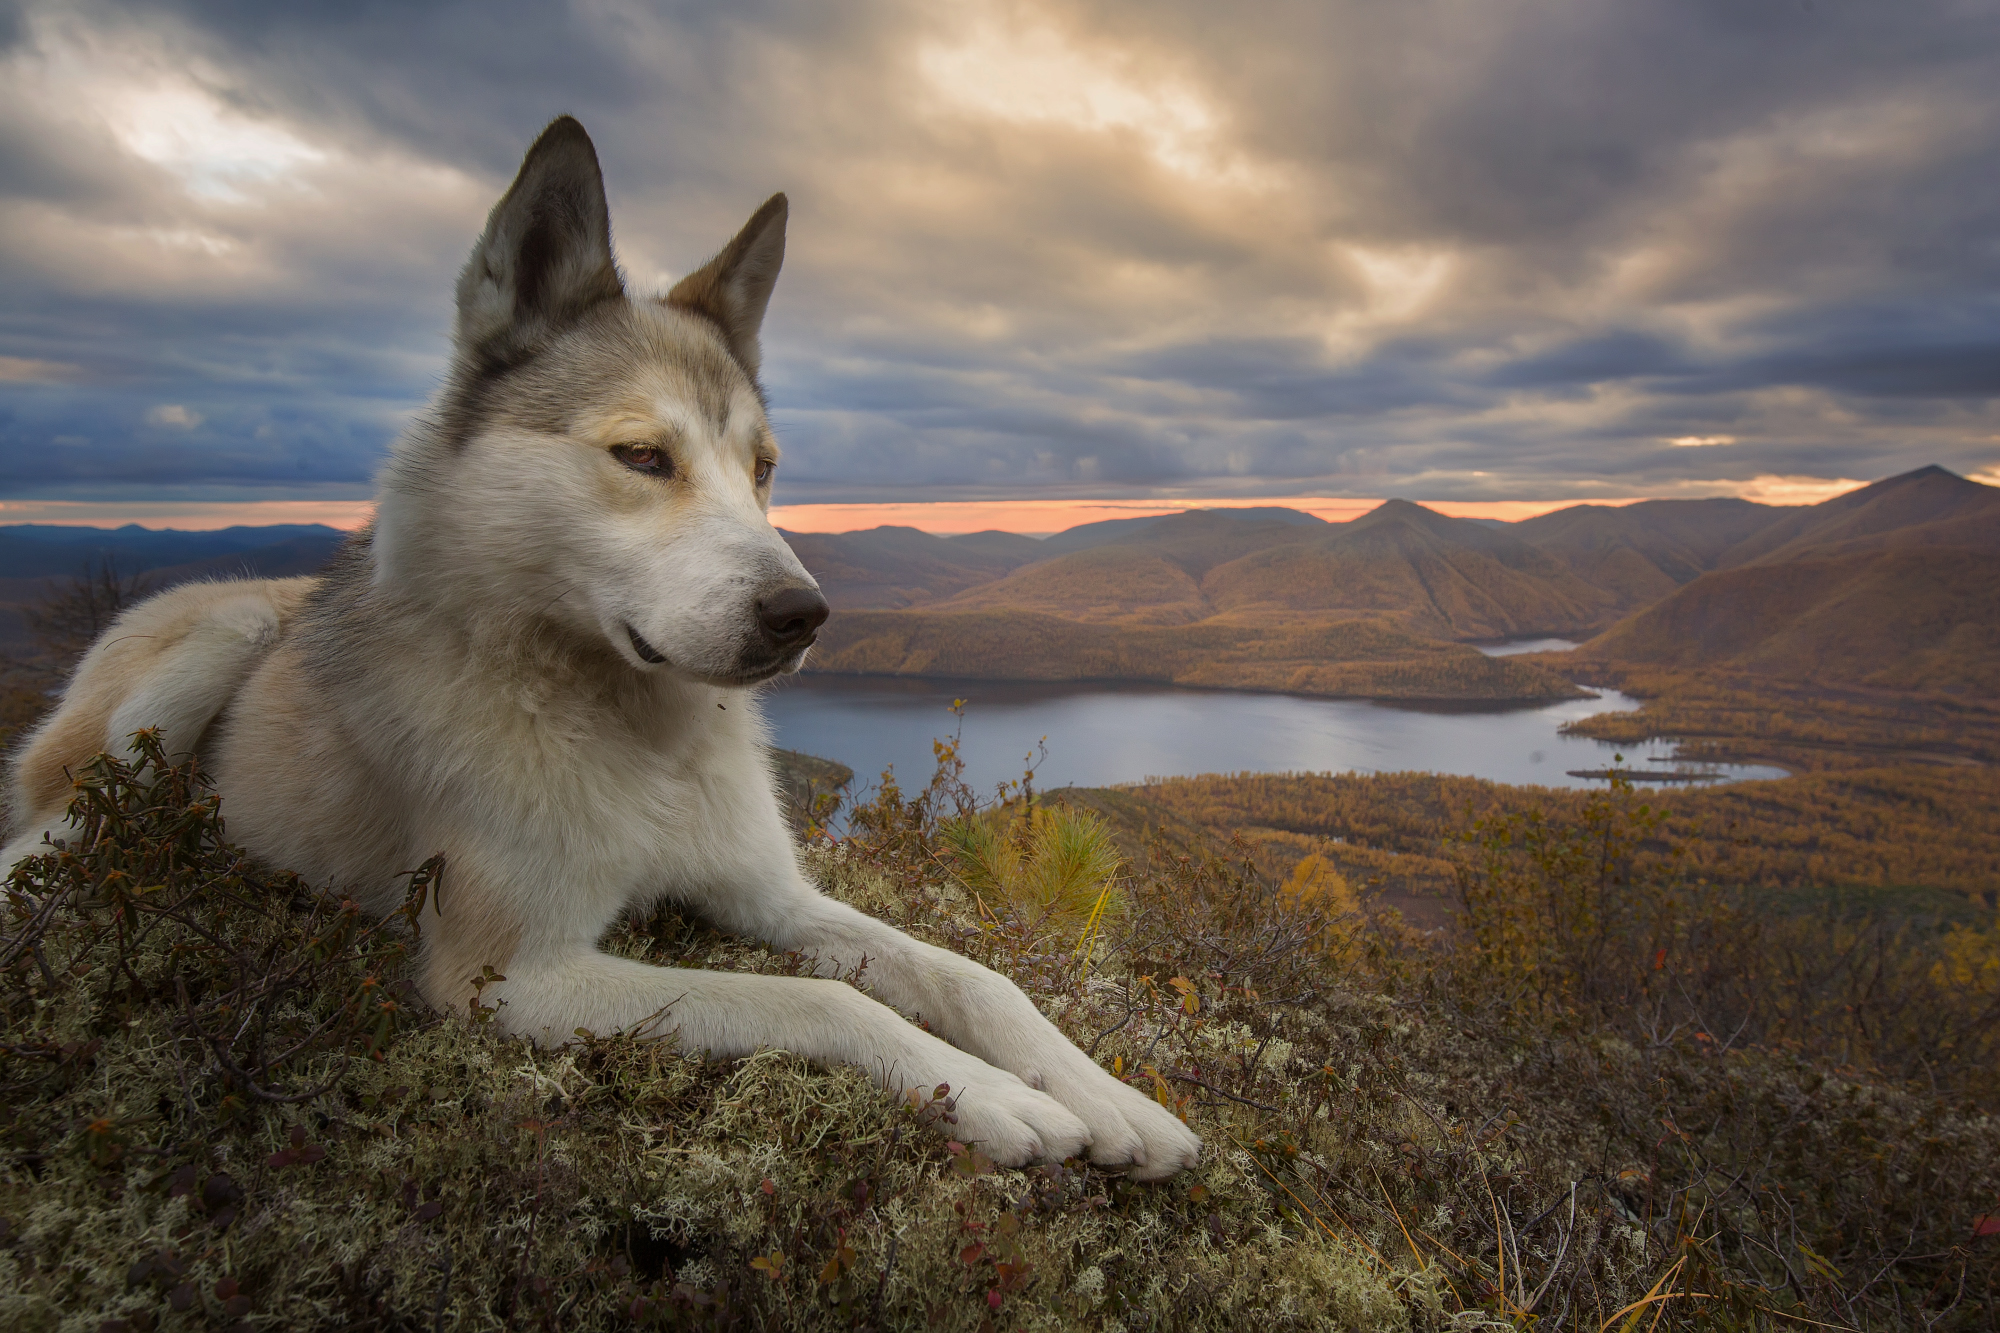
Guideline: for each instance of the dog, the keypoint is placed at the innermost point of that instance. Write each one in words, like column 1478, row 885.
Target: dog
column 542, row 661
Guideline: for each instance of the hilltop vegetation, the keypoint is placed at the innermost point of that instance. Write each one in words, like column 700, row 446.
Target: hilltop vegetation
column 222, row 1107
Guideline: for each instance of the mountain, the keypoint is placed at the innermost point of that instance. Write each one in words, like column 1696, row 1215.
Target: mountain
column 888, row 568
column 1008, row 545
column 1906, row 620
column 33, row 550
column 1086, row 535
column 34, row 557
column 1891, row 586
column 1928, row 507
column 1147, row 572
column 1640, row 553
column 1228, row 598
column 891, row 567
column 1445, row 577
column 1441, row 577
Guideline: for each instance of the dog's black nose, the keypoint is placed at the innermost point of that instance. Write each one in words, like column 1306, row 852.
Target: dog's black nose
column 790, row 617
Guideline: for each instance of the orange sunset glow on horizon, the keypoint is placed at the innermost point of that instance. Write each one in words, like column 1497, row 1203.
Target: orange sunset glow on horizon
column 940, row 517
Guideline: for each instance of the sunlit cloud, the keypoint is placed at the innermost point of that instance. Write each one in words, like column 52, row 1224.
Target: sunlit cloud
column 33, row 370
column 1789, row 490
column 214, row 152
column 1039, row 76
column 1700, row 441
column 157, row 109
column 173, row 414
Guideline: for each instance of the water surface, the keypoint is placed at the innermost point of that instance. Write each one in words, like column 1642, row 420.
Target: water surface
column 1100, row 734
column 1509, row 647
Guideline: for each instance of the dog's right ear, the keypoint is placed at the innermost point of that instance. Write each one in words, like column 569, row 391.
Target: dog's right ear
column 546, row 256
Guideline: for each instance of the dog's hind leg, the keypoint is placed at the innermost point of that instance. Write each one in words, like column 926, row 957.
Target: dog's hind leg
column 192, row 682
column 173, row 662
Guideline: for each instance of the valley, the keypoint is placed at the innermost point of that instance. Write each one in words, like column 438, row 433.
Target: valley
column 1849, row 632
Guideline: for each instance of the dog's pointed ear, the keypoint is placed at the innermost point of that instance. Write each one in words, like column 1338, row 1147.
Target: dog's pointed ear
column 734, row 288
column 546, row 256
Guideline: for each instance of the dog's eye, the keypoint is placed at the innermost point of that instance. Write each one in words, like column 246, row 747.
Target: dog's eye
column 647, row 458
column 765, row 467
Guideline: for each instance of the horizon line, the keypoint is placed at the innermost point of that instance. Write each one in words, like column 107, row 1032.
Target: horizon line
column 1026, row 517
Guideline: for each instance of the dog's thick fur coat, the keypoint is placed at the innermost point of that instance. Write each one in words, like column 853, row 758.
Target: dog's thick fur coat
column 541, row 662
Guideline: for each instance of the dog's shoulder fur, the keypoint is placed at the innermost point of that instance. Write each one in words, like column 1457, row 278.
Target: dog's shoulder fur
column 541, row 661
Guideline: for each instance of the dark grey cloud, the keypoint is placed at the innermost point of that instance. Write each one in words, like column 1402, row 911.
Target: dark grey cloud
column 1513, row 248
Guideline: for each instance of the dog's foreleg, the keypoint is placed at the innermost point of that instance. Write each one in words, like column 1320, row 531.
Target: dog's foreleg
column 978, row 1009
column 551, row 993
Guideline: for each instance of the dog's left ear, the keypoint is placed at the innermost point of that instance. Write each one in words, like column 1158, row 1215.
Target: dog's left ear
column 734, row 287
column 545, row 258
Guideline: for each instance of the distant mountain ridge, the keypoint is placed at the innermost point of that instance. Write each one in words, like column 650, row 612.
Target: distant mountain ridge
column 33, row 556
column 38, row 550
column 1889, row 586
column 1568, row 572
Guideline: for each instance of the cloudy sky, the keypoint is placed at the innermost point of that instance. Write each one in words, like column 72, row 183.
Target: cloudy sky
column 1471, row 250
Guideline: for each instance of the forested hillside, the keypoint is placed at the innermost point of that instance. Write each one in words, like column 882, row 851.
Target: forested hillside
column 1890, row 587
column 1639, row 553
column 1354, row 658
column 1920, row 840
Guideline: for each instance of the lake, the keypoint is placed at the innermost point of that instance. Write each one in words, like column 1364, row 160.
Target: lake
column 1100, row 734
column 1510, row 647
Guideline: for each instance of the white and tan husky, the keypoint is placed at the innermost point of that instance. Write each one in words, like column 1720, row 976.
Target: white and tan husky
column 542, row 662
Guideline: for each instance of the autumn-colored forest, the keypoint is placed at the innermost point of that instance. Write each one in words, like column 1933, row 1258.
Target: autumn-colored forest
column 1912, row 838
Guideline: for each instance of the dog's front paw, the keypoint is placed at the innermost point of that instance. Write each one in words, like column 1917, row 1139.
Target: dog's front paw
column 1127, row 1128
column 1012, row 1123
